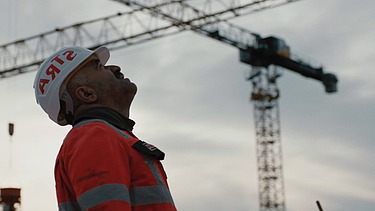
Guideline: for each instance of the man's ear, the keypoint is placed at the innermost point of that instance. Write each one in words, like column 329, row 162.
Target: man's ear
column 86, row 94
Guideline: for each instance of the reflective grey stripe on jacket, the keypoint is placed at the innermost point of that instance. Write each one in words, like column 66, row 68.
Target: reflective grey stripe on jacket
column 109, row 192
column 98, row 195
column 69, row 206
column 105, row 122
column 104, row 193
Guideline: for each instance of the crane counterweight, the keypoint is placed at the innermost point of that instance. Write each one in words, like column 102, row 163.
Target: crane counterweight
column 274, row 51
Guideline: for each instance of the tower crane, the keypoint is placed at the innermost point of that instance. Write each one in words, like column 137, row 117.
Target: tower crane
column 263, row 53
column 150, row 20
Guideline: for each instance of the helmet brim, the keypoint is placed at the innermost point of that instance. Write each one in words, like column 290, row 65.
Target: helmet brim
column 103, row 54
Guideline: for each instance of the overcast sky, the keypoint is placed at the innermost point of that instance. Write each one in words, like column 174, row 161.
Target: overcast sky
column 193, row 103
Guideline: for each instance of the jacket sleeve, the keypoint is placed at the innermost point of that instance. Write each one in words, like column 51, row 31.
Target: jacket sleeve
column 98, row 167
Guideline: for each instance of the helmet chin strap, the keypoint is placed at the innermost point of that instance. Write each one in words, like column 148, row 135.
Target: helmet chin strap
column 65, row 115
column 66, row 108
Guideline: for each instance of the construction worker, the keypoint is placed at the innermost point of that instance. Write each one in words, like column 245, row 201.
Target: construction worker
column 101, row 165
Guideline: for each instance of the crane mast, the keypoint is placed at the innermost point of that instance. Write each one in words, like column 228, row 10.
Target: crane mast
column 210, row 19
column 265, row 96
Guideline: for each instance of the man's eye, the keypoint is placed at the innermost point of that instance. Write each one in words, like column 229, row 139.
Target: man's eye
column 98, row 64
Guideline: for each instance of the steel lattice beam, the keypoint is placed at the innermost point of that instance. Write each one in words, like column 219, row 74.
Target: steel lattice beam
column 183, row 11
column 129, row 28
column 211, row 21
column 209, row 18
column 116, row 31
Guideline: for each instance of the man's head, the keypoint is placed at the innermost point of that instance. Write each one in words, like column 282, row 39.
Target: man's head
column 75, row 78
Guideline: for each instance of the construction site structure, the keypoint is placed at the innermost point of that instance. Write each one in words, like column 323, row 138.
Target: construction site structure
column 10, row 197
column 149, row 20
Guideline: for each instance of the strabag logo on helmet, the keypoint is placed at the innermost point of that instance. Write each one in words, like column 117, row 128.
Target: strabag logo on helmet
column 55, row 68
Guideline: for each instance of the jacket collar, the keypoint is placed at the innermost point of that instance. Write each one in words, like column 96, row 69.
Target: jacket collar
column 111, row 116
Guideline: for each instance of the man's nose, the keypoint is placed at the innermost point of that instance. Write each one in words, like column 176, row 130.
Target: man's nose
column 116, row 71
column 113, row 68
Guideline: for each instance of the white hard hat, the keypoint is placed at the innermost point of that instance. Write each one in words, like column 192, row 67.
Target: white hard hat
column 54, row 70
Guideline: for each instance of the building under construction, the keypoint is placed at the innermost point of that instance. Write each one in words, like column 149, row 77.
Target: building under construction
column 10, row 196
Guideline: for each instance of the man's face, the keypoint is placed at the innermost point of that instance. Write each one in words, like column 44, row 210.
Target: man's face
column 110, row 84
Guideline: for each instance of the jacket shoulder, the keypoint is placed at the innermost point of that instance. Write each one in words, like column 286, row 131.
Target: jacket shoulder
column 97, row 133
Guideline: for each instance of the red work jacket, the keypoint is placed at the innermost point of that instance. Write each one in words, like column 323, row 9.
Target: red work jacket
column 98, row 168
